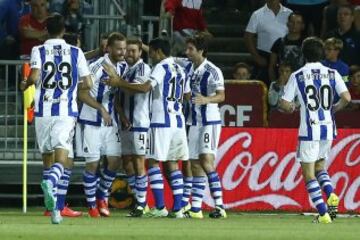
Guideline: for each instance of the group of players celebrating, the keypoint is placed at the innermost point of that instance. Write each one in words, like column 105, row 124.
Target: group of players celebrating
column 123, row 109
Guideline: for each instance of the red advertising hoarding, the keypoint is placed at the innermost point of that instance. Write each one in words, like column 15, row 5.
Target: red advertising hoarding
column 258, row 170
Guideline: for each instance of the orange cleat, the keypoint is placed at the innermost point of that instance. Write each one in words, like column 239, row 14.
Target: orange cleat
column 68, row 212
column 47, row 213
column 94, row 212
column 102, row 205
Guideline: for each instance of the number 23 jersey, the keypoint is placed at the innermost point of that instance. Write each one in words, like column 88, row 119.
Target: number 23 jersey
column 61, row 66
column 315, row 86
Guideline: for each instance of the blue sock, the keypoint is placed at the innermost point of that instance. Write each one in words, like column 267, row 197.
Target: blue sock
column 62, row 188
column 187, row 191
column 106, row 180
column 157, row 186
column 90, row 185
column 177, row 186
column 315, row 194
column 141, row 184
column 197, row 192
column 215, row 189
column 325, row 182
column 131, row 179
column 56, row 171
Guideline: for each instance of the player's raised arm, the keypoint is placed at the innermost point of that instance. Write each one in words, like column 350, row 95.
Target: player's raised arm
column 35, row 64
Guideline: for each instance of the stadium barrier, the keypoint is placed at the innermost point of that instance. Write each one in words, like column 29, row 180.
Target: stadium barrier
column 258, row 171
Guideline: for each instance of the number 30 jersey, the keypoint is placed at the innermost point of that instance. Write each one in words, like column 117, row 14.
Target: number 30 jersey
column 168, row 83
column 62, row 65
column 315, row 86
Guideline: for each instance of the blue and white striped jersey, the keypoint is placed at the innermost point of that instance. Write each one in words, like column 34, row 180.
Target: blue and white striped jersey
column 103, row 94
column 315, row 86
column 62, row 65
column 137, row 106
column 206, row 80
column 168, row 83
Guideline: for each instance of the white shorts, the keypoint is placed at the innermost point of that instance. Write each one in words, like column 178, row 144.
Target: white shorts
column 100, row 141
column 311, row 151
column 203, row 140
column 79, row 137
column 168, row 144
column 133, row 143
column 54, row 132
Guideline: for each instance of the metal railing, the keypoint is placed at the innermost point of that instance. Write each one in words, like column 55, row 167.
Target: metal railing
column 11, row 116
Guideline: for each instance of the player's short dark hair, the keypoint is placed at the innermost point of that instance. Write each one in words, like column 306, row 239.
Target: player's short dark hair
column 55, row 24
column 104, row 36
column 71, row 38
column 348, row 6
column 135, row 41
column 115, row 36
column 201, row 42
column 313, row 49
column 161, row 44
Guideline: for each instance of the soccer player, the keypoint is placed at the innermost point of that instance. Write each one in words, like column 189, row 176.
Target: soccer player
column 207, row 90
column 101, row 136
column 56, row 69
column 167, row 138
column 135, row 117
column 315, row 85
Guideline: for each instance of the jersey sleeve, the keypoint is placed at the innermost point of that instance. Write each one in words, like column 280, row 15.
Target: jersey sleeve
column 35, row 60
column 340, row 85
column 290, row 90
column 187, row 88
column 82, row 65
column 219, row 80
column 157, row 75
column 253, row 24
column 143, row 75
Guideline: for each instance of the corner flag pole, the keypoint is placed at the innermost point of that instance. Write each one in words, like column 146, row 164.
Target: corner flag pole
column 28, row 98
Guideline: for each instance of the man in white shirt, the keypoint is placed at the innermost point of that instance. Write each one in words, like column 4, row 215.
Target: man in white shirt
column 268, row 24
column 314, row 85
column 58, row 70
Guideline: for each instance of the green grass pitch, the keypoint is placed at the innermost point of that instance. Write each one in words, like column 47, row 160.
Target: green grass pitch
column 16, row 225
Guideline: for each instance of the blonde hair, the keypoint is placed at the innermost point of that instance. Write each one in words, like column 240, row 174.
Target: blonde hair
column 334, row 42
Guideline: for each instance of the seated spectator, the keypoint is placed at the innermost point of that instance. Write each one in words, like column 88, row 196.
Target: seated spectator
column 242, row 71
column 73, row 17
column 355, row 84
column 330, row 15
column 32, row 27
column 332, row 48
column 288, row 48
column 276, row 89
column 188, row 20
column 265, row 26
column 348, row 34
column 9, row 20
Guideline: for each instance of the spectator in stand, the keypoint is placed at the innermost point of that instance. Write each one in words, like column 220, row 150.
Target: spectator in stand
column 332, row 47
column 9, row 20
column 311, row 11
column 354, row 89
column 73, row 16
column 33, row 27
column 330, row 15
column 348, row 34
column 242, row 71
column 268, row 24
column 188, row 20
column 288, row 48
column 276, row 89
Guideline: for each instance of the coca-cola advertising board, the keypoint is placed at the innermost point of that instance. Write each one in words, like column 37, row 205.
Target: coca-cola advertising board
column 258, row 170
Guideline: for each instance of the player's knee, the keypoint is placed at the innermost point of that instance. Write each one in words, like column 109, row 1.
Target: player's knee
column 91, row 167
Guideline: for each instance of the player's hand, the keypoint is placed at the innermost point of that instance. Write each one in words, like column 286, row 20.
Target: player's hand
column 125, row 123
column 23, row 86
column 106, row 116
column 200, row 99
column 109, row 70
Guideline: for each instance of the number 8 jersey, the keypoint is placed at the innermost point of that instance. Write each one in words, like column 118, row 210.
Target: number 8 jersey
column 315, row 86
column 62, row 65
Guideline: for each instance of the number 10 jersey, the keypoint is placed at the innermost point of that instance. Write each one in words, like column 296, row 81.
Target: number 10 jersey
column 61, row 66
column 315, row 86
